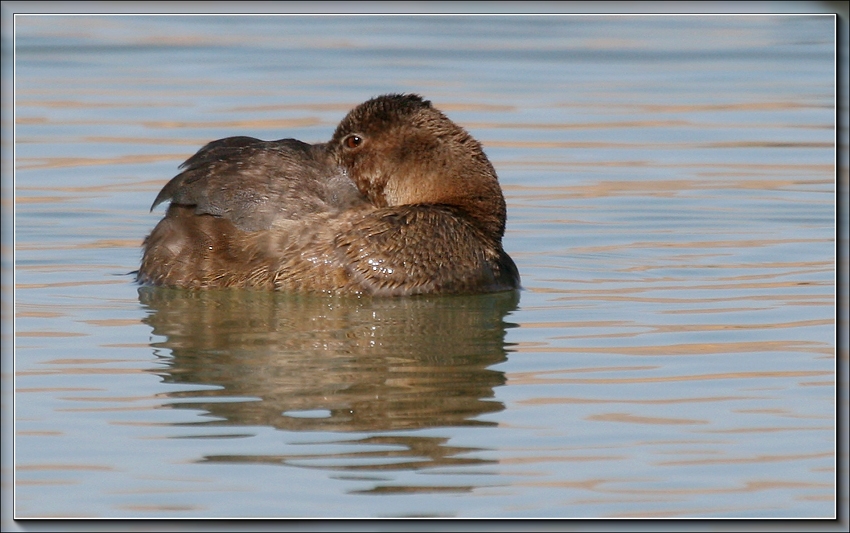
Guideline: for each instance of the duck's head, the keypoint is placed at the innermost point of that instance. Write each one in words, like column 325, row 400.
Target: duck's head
column 399, row 150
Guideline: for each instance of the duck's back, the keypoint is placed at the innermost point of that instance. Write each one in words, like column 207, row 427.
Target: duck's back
column 227, row 200
column 252, row 182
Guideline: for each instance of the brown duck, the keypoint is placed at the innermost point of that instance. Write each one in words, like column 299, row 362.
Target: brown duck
column 401, row 201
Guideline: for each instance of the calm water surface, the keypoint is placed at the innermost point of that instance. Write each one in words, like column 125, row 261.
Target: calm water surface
column 671, row 195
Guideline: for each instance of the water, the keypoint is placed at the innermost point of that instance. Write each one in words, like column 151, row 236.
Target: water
column 671, row 199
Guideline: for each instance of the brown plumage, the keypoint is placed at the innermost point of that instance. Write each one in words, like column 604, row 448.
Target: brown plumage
column 401, row 201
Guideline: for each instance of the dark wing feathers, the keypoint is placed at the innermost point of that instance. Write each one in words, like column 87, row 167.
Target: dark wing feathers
column 193, row 168
column 222, row 147
column 253, row 182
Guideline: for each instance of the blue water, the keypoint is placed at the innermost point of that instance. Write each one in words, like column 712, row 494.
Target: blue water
column 671, row 207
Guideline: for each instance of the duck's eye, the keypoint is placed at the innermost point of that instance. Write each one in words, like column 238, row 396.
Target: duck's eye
column 352, row 141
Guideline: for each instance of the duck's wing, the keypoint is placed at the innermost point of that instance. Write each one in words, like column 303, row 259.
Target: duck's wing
column 253, row 182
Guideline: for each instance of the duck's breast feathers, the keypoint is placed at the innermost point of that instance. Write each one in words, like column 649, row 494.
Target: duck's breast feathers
column 253, row 182
column 421, row 249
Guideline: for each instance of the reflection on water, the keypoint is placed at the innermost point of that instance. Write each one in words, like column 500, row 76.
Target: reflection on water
column 314, row 363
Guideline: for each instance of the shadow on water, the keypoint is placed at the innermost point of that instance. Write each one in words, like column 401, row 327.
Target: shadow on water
column 317, row 363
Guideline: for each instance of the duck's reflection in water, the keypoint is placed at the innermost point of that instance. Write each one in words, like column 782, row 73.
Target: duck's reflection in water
column 317, row 363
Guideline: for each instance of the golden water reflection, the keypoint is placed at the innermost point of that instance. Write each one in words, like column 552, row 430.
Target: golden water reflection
column 317, row 363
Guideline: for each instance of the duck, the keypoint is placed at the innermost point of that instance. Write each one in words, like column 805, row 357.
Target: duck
column 400, row 202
